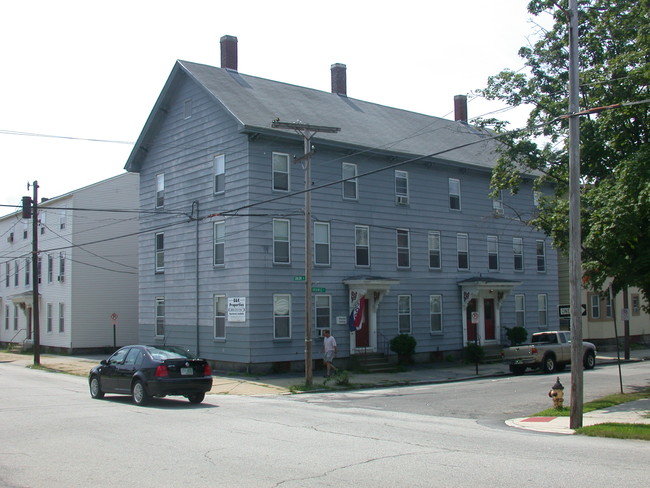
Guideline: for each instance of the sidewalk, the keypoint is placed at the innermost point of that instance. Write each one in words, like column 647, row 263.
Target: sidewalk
column 287, row 383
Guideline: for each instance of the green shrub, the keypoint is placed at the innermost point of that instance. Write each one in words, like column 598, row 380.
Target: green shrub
column 404, row 346
column 516, row 335
column 474, row 353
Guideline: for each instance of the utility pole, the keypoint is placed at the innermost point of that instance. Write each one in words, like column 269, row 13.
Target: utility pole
column 35, row 312
column 307, row 132
column 575, row 258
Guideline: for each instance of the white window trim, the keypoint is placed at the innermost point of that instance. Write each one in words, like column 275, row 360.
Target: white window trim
column 219, row 171
column 159, row 253
column 219, row 241
column 432, row 313
column 542, row 255
column 275, row 316
column 287, row 172
column 438, row 249
column 461, row 237
column 329, row 312
column 401, row 314
column 357, row 246
column 493, row 250
column 317, row 243
column 157, row 302
column 350, row 182
column 160, row 190
column 520, row 298
column 215, row 301
column 455, row 193
column 288, row 241
column 542, row 308
column 520, row 242
column 406, row 232
column 401, row 197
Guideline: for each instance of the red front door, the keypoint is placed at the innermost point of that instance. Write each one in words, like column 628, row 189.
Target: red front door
column 471, row 328
column 363, row 333
column 488, row 320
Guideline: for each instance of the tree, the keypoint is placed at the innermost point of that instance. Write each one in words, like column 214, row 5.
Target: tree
column 614, row 38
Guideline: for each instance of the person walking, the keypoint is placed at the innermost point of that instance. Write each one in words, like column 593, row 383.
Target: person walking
column 329, row 352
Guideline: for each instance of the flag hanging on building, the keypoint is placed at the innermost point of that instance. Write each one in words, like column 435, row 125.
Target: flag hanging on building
column 355, row 320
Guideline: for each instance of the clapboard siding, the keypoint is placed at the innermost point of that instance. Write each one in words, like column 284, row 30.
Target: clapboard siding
column 184, row 149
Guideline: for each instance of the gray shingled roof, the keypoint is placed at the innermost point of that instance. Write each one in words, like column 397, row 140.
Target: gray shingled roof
column 255, row 102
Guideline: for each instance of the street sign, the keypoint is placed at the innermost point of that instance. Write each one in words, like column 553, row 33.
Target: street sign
column 318, row 290
column 298, row 278
column 114, row 317
column 565, row 311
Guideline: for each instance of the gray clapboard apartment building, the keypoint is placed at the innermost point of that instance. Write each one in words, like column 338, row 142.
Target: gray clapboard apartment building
column 405, row 236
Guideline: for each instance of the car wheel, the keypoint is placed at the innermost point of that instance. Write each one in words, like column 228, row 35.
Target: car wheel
column 589, row 360
column 96, row 388
column 140, row 395
column 196, row 397
column 548, row 366
column 517, row 370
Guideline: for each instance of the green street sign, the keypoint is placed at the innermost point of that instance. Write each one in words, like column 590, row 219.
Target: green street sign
column 298, row 278
column 318, row 290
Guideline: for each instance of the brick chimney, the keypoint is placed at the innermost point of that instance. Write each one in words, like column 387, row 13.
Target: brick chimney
column 229, row 52
column 460, row 108
column 339, row 79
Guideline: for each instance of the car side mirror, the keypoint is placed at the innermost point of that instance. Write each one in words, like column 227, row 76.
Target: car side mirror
column 103, row 362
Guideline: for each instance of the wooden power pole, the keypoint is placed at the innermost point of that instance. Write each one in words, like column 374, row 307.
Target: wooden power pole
column 307, row 132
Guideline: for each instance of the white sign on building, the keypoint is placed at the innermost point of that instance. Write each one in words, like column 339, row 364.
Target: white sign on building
column 237, row 309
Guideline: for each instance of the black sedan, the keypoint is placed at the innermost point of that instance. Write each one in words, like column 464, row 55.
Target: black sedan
column 151, row 371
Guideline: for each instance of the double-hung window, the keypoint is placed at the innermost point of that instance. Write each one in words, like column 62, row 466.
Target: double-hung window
column 323, row 304
column 404, row 314
column 219, row 243
column 49, row 317
column 322, row 243
column 219, row 173
column 160, row 316
column 61, row 317
column 434, row 250
column 518, row 253
column 160, row 252
column 403, row 248
column 160, row 190
column 520, row 310
column 542, row 310
column 28, row 265
column 435, row 311
column 280, row 172
column 350, row 183
column 50, row 268
column 401, row 187
column 219, row 316
column 497, row 203
column 454, row 194
column 541, row 256
column 493, row 253
column 462, row 251
column 281, row 316
column 362, row 245
column 281, row 241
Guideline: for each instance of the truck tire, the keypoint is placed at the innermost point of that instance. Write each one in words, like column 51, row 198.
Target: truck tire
column 517, row 369
column 548, row 364
column 589, row 360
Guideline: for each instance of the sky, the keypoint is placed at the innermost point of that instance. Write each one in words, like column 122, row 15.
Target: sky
column 74, row 70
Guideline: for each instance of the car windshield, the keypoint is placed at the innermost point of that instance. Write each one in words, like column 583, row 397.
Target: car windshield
column 160, row 353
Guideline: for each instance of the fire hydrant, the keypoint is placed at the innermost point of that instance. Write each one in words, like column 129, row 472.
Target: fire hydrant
column 557, row 394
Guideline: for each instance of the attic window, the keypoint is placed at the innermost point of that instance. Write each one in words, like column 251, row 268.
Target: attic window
column 188, row 108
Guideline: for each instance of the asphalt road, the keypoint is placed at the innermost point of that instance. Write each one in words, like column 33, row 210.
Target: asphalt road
column 55, row 435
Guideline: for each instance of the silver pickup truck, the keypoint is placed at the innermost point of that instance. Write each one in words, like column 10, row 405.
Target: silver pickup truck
column 549, row 351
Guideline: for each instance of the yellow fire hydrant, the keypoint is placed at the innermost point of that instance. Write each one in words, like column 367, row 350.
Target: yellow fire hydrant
column 557, row 394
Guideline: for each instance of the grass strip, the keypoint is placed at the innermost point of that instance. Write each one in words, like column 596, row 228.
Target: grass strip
column 605, row 402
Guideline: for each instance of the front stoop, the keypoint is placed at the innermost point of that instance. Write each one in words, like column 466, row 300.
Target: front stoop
column 373, row 362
